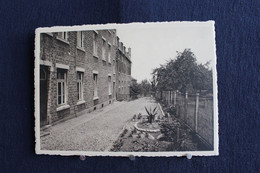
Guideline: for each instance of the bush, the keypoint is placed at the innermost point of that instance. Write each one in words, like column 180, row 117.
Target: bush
column 169, row 129
column 172, row 110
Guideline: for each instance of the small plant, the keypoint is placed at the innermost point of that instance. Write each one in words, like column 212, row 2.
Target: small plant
column 151, row 114
column 139, row 116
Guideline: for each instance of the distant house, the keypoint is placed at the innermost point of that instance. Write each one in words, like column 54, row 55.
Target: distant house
column 81, row 71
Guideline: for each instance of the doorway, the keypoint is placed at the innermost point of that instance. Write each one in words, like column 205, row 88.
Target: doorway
column 44, row 76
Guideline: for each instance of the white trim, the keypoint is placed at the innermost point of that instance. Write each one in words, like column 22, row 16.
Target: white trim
column 95, row 71
column 49, row 33
column 95, row 98
column 80, row 69
column 47, row 63
column 81, row 102
column 62, row 107
column 81, row 48
column 62, row 66
column 109, row 74
column 103, row 38
column 63, row 40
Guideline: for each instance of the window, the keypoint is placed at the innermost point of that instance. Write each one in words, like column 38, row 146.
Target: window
column 109, row 86
column 114, row 67
column 103, row 50
column 63, row 35
column 80, row 85
column 95, row 44
column 119, row 86
column 61, row 86
column 95, row 78
column 109, row 53
column 80, row 39
column 42, row 74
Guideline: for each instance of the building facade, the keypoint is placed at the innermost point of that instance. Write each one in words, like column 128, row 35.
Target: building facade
column 81, row 71
column 123, row 71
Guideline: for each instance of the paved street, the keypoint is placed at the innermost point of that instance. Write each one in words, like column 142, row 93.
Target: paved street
column 95, row 131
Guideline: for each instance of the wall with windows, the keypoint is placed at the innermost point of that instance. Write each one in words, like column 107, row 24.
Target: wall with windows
column 123, row 71
column 81, row 69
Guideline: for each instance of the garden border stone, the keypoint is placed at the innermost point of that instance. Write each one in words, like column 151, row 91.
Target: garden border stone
column 145, row 130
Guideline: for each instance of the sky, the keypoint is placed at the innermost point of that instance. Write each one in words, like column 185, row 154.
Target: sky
column 154, row 44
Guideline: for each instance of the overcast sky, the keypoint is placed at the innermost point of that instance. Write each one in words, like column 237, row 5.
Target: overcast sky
column 154, row 44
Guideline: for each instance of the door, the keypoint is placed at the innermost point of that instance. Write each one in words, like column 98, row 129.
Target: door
column 44, row 74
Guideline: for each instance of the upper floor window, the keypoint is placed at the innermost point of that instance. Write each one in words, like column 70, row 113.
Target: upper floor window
column 109, row 53
column 95, row 43
column 63, row 35
column 80, row 39
column 103, row 49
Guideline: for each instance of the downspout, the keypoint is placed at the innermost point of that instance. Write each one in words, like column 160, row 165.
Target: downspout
column 75, row 61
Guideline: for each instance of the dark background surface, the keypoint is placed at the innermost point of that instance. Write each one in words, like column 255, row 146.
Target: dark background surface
column 238, row 64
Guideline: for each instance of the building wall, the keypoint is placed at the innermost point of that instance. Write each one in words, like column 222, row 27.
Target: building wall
column 55, row 51
column 123, row 72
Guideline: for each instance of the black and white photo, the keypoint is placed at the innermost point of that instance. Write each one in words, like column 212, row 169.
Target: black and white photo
column 143, row 89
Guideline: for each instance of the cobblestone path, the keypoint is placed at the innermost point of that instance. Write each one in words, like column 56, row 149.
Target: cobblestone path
column 95, row 131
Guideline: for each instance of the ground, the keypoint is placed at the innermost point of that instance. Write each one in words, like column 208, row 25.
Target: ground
column 95, row 131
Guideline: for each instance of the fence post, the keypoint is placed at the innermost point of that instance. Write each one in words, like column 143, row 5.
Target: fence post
column 196, row 112
column 185, row 106
column 174, row 99
column 169, row 97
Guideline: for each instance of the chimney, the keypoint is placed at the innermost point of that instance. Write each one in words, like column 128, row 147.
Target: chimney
column 129, row 51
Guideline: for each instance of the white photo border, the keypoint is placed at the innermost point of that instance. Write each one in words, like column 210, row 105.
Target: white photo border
column 38, row 150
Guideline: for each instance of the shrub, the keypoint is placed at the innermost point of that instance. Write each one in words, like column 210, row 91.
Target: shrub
column 169, row 129
column 172, row 110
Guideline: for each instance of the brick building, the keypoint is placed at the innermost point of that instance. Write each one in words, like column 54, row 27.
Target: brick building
column 81, row 71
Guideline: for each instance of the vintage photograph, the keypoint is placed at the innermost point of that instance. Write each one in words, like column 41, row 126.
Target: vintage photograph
column 143, row 89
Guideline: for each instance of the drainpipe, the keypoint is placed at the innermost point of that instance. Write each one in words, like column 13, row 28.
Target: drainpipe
column 75, row 62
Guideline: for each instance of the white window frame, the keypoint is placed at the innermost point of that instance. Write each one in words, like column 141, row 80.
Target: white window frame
column 80, row 85
column 95, row 45
column 63, row 84
column 109, row 53
column 103, row 49
column 95, row 80
column 80, row 39
column 109, row 85
column 63, row 36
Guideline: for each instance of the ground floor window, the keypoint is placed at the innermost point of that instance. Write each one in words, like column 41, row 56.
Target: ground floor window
column 61, row 86
column 95, row 78
column 109, row 86
column 80, row 85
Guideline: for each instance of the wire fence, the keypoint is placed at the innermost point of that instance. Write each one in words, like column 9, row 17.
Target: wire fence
column 195, row 110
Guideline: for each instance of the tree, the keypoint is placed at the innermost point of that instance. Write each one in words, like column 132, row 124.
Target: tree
column 183, row 74
column 135, row 89
column 145, row 87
